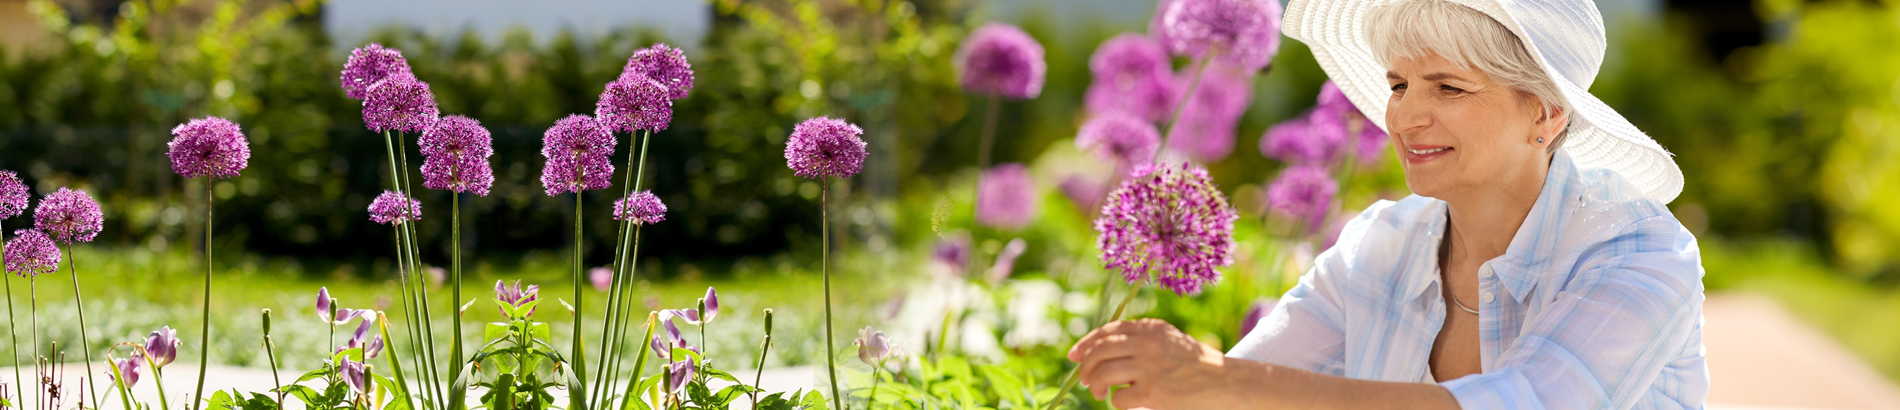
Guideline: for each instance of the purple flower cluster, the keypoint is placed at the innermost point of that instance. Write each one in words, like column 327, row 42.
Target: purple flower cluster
column 1132, row 74
column 1205, row 130
column 953, row 252
column 399, row 104
column 13, row 194
column 31, row 253
column 370, row 64
column 1119, row 137
column 1303, row 192
column 1003, row 60
column 577, row 148
column 664, row 64
column 388, row 209
column 455, row 154
column 69, row 216
column 1169, row 225
column 825, row 147
column 1245, row 33
column 1326, row 134
column 643, row 208
column 1006, row 197
column 635, row 103
column 208, row 147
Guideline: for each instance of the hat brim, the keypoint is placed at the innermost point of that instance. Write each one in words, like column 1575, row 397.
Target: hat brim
column 1335, row 31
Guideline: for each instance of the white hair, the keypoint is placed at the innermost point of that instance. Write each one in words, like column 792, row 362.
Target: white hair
column 1468, row 39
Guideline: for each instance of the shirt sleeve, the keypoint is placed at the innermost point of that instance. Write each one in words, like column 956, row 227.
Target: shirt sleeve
column 1306, row 329
column 1609, row 333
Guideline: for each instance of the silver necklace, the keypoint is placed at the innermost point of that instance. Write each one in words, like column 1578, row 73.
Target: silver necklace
column 1454, row 301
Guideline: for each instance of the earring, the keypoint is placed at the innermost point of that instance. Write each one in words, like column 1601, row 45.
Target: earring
column 1540, row 140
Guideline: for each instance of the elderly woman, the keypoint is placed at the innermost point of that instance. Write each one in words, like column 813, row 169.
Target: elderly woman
column 1535, row 266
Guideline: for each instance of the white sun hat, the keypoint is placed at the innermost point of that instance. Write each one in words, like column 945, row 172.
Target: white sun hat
column 1565, row 36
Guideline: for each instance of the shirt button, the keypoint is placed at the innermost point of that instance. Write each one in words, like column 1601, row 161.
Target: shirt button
column 1488, row 297
column 1485, row 273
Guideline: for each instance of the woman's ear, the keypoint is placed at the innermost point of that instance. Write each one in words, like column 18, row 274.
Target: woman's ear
column 1550, row 123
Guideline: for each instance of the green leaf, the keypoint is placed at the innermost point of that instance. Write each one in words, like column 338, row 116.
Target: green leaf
column 721, row 375
column 310, row 397
column 494, row 331
column 814, row 400
column 313, row 375
column 541, row 331
column 219, row 401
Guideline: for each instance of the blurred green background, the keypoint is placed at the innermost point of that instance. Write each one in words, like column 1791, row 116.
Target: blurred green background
column 1784, row 116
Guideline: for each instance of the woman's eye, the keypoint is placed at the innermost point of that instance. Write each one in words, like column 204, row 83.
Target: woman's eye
column 1451, row 89
column 1398, row 87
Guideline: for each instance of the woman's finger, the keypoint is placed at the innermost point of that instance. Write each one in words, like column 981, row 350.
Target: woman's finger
column 1122, row 371
column 1137, row 395
column 1095, row 336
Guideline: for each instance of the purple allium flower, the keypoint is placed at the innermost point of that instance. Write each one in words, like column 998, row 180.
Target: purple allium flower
column 1006, row 260
column 1119, row 137
column 455, row 154
column 1301, row 141
column 643, row 208
column 516, row 295
column 208, row 147
column 369, row 64
column 31, row 253
column 1169, row 225
column 1205, row 130
column 577, row 148
column 602, row 278
column 127, row 369
column 953, row 251
column 1325, row 134
column 661, row 63
column 399, row 104
column 873, row 347
column 1158, row 23
column 635, row 103
column 388, row 209
column 1246, row 33
column 1259, row 310
column 1302, row 192
column 1366, row 139
column 1006, row 197
column 163, row 346
column 69, row 216
column 1001, row 59
column 13, row 194
column 825, row 147
column 1131, row 74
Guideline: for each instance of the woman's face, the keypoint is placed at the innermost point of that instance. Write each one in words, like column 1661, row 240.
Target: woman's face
column 1457, row 132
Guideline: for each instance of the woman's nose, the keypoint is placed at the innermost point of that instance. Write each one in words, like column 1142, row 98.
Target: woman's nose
column 1407, row 113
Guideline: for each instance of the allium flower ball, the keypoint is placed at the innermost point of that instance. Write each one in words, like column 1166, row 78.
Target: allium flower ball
column 577, row 148
column 643, row 208
column 1169, row 225
column 1006, row 197
column 1205, row 131
column 455, row 153
column 31, row 253
column 1325, row 134
column 1132, row 74
column 1246, row 33
column 636, row 103
column 1120, row 137
column 1001, row 59
column 13, row 194
column 399, row 104
column 208, row 147
column 69, row 216
column 369, row 64
column 388, row 209
column 825, row 147
column 661, row 63
column 1304, row 193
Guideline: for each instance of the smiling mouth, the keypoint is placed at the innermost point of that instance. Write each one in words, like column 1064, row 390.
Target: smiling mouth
column 1428, row 151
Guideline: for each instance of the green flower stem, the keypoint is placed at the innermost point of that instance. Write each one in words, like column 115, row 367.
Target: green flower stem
column 406, row 238
column 158, row 378
column 577, row 396
column 1068, row 382
column 402, row 382
column 875, row 380
column 765, row 346
column 613, row 330
column 124, row 398
column 408, row 274
column 84, row 341
column 640, row 362
column 204, row 344
column 455, row 290
column 270, row 353
column 19, row 393
column 831, row 350
column 1193, row 86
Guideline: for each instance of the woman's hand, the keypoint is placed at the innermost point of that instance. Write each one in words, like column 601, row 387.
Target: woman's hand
column 1162, row 367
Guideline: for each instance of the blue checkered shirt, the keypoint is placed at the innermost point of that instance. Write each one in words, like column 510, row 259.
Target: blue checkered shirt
column 1596, row 304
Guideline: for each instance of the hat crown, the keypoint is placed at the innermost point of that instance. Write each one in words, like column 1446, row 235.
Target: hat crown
column 1566, row 34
